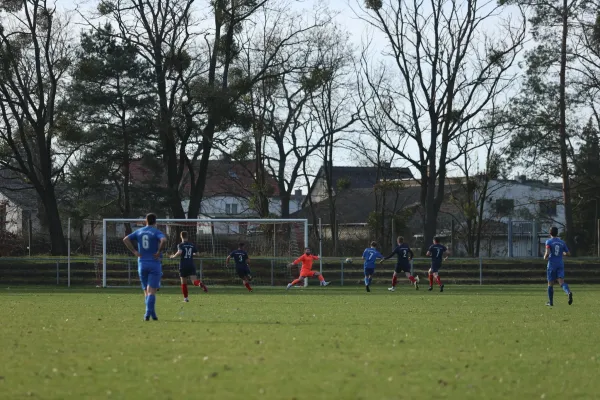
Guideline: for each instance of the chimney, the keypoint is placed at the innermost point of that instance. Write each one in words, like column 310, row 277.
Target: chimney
column 298, row 192
column 522, row 178
column 546, row 182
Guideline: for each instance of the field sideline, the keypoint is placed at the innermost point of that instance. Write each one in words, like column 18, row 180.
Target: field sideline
column 470, row 342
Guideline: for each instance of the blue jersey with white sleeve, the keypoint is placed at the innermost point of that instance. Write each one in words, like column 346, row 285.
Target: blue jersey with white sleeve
column 371, row 255
column 148, row 241
column 556, row 248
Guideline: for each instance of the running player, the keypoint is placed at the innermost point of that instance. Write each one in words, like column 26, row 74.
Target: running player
column 306, row 272
column 370, row 255
column 404, row 254
column 555, row 249
column 242, row 265
column 436, row 252
column 187, row 269
column 150, row 244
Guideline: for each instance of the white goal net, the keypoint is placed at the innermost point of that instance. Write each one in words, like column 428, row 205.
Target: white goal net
column 270, row 243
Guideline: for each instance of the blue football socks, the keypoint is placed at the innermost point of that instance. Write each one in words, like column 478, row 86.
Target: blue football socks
column 565, row 287
column 551, row 294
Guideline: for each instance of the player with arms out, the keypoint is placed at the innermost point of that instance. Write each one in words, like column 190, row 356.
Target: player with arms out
column 150, row 244
column 306, row 271
column 436, row 252
column 187, row 269
column 370, row 255
column 404, row 254
column 555, row 249
column 242, row 265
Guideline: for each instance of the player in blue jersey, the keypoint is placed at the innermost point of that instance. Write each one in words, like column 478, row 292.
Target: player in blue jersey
column 150, row 244
column 187, row 269
column 370, row 255
column 404, row 254
column 242, row 265
column 436, row 252
column 555, row 250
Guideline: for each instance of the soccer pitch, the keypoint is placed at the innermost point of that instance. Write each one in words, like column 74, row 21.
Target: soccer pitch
column 470, row 342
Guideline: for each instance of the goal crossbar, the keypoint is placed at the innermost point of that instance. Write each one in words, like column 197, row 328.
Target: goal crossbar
column 105, row 221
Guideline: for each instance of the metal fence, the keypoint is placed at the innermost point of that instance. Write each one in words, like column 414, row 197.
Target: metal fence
column 122, row 272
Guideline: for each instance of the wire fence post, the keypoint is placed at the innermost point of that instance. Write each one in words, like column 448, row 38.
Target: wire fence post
column 342, row 274
column 129, row 272
column 200, row 271
column 480, row 270
column 320, row 247
column 69, row 252
column 412, row 267
column 272, row 272
column 57, row 273
column 29, row 232
column 510, row 237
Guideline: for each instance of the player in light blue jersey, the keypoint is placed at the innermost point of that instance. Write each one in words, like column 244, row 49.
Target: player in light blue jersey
column 150, row 244
column 370, row 255
column 555, row 250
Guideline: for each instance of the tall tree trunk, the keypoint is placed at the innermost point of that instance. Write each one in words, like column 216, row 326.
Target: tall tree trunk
column 197, row 187
column 168, row 141
column 285, row 197
column 566, row 188
column 57, row 238
column 429, row 206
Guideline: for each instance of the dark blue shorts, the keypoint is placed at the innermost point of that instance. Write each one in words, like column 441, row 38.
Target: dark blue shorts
column 435, row 267
column 369, row 271
column 402, row 268
column 186, row 271
column 243, row 271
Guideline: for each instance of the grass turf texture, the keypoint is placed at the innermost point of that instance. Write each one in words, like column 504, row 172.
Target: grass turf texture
column 492, row 342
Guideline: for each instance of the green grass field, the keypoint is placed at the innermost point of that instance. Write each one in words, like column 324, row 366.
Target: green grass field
column 470, row 342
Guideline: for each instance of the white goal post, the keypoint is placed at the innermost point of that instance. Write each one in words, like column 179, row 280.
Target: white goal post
column 213, row 236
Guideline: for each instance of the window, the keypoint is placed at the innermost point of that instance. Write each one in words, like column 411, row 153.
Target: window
column 505, row 206
column 233, row 174
column 231, row 208
column 547, row 208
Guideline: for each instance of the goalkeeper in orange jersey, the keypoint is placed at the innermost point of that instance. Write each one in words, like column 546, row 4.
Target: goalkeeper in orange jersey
column 306, row 272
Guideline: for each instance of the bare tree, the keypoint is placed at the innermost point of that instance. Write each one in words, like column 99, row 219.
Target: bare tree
column 160, row 30
column 445, row 66
column 470, row 192
column 333, row 108
column 282, row 136
column 35, row 55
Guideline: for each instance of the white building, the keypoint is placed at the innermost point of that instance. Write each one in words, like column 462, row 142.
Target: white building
column 18, row 205
column 525, row 200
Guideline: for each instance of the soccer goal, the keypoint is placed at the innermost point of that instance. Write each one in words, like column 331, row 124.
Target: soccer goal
column 270, row 243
